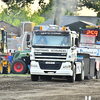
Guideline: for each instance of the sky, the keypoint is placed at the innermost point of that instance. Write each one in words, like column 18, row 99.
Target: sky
column 35, row 6
column 84, row 12
column 87, row 12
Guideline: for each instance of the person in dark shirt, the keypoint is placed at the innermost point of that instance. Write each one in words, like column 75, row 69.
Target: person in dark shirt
column 27, row 60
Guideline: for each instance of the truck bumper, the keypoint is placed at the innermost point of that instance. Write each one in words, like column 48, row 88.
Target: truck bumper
column 63, row 71
column 51, row 73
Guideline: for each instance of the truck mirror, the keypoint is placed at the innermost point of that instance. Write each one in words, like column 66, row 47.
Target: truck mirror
column 76, row 42
column 28, row 43
column 28, row 37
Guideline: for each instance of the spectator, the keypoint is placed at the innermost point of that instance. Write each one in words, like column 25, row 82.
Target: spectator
column 10, row 58
column 42, row 40
column 64, row 41
column 7, row 54
column 14, row 53
column 88, row 41
column 27, row 60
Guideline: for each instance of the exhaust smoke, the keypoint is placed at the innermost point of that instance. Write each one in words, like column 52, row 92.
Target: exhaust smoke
column 61, row 7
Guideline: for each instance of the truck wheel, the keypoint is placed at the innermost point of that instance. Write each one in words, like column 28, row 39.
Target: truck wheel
column 80, row 77
column 34, row 77
column 72, row 78
column 19, row 67
column 1, row 68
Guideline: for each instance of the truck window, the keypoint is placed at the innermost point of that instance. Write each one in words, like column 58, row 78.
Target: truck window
column 87, row 39
column 51, row 40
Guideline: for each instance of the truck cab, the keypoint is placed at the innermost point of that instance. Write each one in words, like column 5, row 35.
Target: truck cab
column 54, row 53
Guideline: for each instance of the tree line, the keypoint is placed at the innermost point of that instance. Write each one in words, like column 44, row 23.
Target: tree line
column 20, row 10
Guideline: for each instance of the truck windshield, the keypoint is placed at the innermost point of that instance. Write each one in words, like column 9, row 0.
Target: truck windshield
column 87, row 39
column 52, row 39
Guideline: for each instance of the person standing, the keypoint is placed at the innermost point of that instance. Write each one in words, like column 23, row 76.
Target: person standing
column 10, row 58
column 88, row 40
column 7, row 54
column 65, row 41
column 42, row 40
column 27, row 60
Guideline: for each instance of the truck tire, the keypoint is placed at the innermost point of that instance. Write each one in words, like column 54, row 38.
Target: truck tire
column 1, row 67
column 34, row 77
column 72, row 78
column 80, row 77
column 19, row 67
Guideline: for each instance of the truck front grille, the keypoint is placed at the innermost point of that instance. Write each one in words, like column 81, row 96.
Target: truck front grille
column 45, row 66
column 50, row 56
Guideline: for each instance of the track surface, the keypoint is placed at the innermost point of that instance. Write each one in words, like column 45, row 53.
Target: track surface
column 22, row 88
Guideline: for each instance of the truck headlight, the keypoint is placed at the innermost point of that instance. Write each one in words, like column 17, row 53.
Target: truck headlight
column 34, row 65
column 67, row 66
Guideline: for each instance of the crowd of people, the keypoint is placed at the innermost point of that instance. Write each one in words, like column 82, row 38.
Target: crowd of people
column 9, row 56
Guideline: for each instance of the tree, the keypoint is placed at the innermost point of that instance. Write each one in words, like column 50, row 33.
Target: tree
column 47, row 10
column 19, row 3
column 94, row 4
column 15, row 8
column 36, row 18
column 15, row 16
column 66, row 7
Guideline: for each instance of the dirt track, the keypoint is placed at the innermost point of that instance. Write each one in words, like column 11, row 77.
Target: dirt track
column 22, row 88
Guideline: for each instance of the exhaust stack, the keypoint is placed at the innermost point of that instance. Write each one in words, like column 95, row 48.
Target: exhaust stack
column 57, row 16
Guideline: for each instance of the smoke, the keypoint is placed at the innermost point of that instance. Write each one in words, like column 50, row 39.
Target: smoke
column 61, row 6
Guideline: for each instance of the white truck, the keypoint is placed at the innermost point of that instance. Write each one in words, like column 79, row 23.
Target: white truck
column 90, row 45
column 53, row 58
